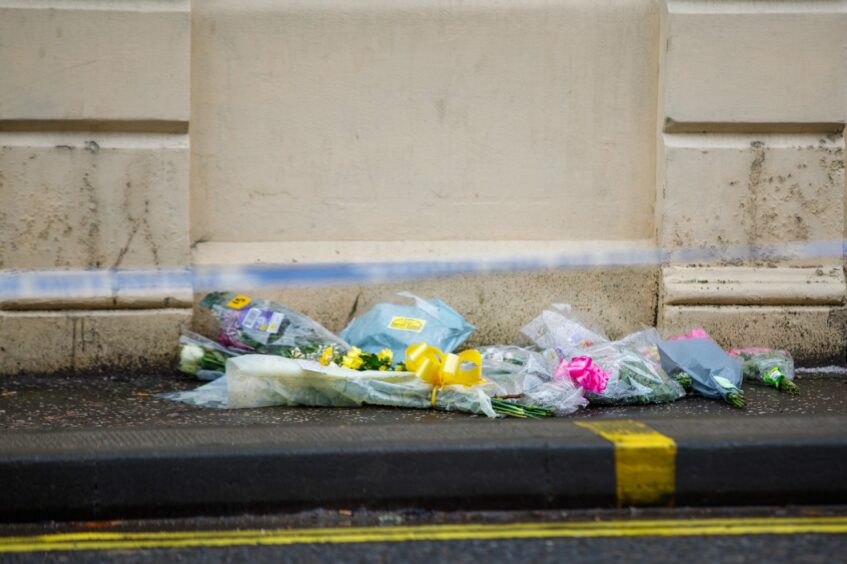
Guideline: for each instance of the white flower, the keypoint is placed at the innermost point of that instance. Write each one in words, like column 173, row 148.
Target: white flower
column 190, row 357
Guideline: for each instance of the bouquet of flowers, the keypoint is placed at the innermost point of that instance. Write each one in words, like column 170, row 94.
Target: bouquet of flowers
column 611, row 372
column 254, row 325
column 427, row 378
column 523, row 378
column 255, row 380
column 245, row 325
column 266, row 380
column 714, row 374
column 773, row 368
column 396, row 327
column 631, row 378
column 202, row 357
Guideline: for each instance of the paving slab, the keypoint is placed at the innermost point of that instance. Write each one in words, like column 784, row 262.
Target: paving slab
column 110, row 400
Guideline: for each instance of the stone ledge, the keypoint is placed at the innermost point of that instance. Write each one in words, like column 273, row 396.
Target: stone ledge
column 753, row 286
column 282, row 252
column 623, row 299
column 180, row 298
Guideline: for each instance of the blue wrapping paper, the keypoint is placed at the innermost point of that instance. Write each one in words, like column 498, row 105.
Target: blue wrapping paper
column 396, row 327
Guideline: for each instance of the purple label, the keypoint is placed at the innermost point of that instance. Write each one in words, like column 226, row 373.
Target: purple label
column 254, row 319
column 257, row 319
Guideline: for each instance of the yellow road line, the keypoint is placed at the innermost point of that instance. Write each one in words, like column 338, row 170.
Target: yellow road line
column 645, row 461
column 99, row 540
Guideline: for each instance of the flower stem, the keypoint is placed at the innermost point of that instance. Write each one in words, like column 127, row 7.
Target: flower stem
column 510, row 409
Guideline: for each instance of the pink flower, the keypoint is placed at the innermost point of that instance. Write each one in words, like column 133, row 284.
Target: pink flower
column 231, row 340
column 696, row 333
column 582, row 372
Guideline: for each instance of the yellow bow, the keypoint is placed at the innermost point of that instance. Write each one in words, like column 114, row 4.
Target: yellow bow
column 440, row 369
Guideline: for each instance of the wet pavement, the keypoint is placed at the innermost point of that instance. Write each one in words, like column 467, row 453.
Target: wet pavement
column 127, row 400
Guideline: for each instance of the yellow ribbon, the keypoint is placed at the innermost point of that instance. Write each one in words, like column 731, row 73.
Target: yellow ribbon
column 440, row 369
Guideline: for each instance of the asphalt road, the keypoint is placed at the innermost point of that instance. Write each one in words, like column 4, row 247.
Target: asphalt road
column 769, row 544
column 114, row 400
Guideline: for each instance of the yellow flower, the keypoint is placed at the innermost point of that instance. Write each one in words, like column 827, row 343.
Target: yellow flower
column 385, row 355
column 383, row 368
column 326, row 357
column 400, row 367
column 352, row 359
column 352, row 363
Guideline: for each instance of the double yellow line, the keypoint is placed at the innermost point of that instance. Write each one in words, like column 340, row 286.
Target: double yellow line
column 591, row 529
column 645, row 473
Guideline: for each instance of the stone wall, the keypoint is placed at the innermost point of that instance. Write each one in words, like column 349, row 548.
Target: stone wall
column 158, row 133
column 94, row 173
column 754, row 102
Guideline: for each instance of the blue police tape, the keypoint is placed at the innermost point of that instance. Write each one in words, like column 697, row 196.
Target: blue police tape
column 46, row 284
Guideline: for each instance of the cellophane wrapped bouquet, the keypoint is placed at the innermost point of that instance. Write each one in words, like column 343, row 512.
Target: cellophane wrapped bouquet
column 774, row 368
column 611, row 372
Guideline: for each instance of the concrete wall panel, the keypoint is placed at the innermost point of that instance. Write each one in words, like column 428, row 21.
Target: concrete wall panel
column 101, row 61
column 425, row 120
column 104, row 200
column 726, row 190
column 741, row 62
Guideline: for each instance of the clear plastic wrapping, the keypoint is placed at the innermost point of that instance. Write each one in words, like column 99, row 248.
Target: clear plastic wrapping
column 561, row 327
column 635, row 375
column 262, row 326
column 526, row 376
column 774, row 368
column 634, row 378
column 202, row 357
column 264, row 380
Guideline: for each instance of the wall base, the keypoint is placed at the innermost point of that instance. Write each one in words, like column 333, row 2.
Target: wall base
column 50, row 341
column 814, row 335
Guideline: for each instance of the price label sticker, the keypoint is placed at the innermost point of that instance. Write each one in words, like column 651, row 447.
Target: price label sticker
column 407, row 324
column 239, row 302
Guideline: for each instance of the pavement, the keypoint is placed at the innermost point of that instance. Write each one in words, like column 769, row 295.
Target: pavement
column 125, row 400
column 102, row 446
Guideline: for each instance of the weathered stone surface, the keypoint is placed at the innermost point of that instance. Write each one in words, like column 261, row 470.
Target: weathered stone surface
column 736, row 62
column 621, row 300
column 374, row 120
column 113, row 60
column 813, row 335
column 723, row 191
column 424, row 131
column 93, row 200
column 753, row 286
column 40, row 341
